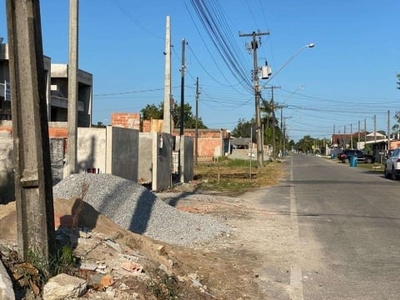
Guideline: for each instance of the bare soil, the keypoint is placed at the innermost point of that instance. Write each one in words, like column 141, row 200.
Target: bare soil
column 252, row 262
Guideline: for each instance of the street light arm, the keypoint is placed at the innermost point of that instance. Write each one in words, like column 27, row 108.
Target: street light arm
column 287, row 62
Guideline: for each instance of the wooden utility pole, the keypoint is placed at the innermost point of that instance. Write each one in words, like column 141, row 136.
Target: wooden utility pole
column 167, row 123
column 388, row 133
column 73, row 86
column 32, row 169
column 196, row 138
column 351, row 136
column 257, row 93
column 273, row 118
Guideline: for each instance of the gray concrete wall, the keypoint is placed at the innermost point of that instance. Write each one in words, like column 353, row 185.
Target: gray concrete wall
column 141, row 157
column 145, row 171
column 155, row 159
column 162, row 161
column 7, row 186
column 187, row 160
column 123, row 155
column 6, row 167
column 92, row 143
column 57, row 158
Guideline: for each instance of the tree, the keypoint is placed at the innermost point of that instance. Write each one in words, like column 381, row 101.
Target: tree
column 273, row 133
column 151, row 111
column 398, row 82
column 396, row 129
column 305, row 144
column 189, row 119
column 99, row 125
column 244, row 129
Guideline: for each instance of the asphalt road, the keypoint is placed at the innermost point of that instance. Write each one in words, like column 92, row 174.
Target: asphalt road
column 348, row 221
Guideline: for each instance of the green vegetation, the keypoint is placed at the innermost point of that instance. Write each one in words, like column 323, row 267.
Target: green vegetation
column 236, row 176
column 151, row 111
column 376, row 167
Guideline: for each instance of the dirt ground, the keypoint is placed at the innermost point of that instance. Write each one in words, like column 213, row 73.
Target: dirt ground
column 252, row 262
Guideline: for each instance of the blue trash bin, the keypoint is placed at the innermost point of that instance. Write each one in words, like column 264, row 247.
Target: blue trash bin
column 353, row 161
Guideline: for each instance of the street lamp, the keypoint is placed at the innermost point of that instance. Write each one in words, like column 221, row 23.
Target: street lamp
column 311, row 45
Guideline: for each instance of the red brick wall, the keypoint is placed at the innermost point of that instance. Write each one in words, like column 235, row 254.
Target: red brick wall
column 126, row 120
column 146, row 125
column 207, row 146
column 54, row 132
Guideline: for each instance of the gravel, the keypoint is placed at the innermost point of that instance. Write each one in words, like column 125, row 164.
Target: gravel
column 137, row 209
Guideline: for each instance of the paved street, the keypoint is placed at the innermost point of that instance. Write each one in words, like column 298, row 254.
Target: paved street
column 348, row 221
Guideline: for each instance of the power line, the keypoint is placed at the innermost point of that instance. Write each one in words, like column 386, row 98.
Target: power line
column 129, row 92
column 134, row 20
column 214, row 22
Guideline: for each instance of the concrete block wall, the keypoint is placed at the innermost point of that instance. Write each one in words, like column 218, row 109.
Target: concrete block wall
column 91, row 150
column 57, row 158
column 155, row 159
column 162, row 161
column 187, row 162
column 145, row 169
column 123, row 157
column 211, row 142
column 6, row 167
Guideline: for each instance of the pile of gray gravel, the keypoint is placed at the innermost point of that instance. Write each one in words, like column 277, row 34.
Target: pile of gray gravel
column 137, row 209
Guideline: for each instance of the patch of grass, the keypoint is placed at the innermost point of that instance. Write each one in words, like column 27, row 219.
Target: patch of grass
column 375, row 167
column 29, row 277
column 226, row 175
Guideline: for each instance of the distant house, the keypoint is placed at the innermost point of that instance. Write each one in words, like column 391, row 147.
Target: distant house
column 343, row 140
column 241, row 143
column 375, row 135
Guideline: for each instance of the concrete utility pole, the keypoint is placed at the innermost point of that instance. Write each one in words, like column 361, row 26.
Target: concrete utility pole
column 183, row 67
column 365, row 132
column 196, row 138
column 73, row 86
column 181, row 121
column 254, row 46
column 32, row 169
column 167, row 124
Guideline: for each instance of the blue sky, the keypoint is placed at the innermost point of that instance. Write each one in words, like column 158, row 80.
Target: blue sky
column 348, row 77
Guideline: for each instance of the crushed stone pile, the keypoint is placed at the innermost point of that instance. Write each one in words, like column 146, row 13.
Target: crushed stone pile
column 135, row 208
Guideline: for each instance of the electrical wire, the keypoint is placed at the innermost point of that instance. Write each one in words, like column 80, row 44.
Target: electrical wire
column 213, row 21
column 134, row 20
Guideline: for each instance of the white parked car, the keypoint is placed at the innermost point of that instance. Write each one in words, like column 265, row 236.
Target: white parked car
column 392, row 165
